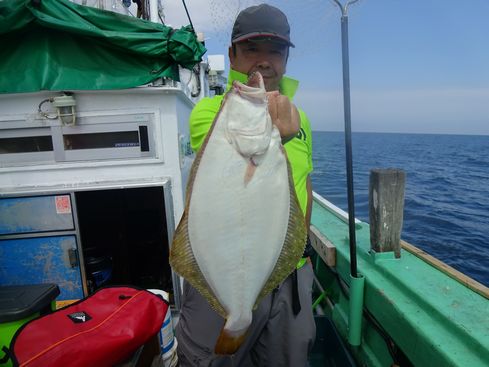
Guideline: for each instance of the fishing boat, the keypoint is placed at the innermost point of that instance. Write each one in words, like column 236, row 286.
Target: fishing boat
column 94, row 161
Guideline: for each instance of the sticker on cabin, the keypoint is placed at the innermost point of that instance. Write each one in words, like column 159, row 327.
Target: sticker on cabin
column 63, row 205
column 79, row 317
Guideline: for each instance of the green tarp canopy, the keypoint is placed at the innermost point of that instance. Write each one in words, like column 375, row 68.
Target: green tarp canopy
column 59, row 45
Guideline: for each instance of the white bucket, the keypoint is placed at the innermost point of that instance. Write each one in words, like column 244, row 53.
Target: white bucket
column 165, row 335
column 170, row 358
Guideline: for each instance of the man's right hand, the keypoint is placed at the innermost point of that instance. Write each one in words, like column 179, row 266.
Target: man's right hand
column 284, row 115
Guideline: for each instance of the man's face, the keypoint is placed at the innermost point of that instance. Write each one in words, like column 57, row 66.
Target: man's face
column 267, row 57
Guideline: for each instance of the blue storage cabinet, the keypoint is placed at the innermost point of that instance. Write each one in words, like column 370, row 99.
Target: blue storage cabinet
column 38, row 243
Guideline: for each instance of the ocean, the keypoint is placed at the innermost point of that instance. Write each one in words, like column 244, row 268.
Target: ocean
column 446, row 208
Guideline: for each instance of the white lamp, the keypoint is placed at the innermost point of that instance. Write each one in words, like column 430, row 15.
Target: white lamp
column 65, row 105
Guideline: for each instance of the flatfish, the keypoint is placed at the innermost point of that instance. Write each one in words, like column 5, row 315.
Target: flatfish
column 242, row 231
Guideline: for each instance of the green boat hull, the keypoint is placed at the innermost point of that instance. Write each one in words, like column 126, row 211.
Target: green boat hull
column 414, row 312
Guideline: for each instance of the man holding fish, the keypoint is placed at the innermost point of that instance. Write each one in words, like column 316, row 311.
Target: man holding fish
column 240, row 243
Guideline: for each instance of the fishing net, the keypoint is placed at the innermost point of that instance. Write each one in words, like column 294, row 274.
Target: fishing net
column 311, row 22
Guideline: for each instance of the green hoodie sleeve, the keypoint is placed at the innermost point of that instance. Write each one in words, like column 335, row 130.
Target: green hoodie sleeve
column 201, row 120
column 299, row 153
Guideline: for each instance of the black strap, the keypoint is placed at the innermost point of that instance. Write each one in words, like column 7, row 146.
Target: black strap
column 6, row 357
column 296, row 302
column 308, row 250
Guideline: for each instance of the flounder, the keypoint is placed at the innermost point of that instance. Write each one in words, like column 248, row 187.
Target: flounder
column 242, row 231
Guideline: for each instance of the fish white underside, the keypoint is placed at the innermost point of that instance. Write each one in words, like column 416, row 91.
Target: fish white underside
column 237, row 231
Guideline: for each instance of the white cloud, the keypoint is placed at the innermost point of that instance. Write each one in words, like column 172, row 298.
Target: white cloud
column 215, row 18
column 457, row 111
column 210, row 17
column 199, row 13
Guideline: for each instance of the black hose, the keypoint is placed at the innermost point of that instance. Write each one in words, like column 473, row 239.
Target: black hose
column 188, row 15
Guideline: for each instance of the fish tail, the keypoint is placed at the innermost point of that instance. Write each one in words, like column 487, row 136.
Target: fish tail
column 229, row 342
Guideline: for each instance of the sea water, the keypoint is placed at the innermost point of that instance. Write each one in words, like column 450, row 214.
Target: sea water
column 446, row 209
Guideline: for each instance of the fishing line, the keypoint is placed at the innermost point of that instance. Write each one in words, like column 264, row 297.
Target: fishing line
column 188, row 15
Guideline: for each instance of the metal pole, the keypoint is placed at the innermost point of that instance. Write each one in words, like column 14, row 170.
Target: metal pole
column 347, row 114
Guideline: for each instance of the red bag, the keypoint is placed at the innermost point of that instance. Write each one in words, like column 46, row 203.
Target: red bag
column 100, row 330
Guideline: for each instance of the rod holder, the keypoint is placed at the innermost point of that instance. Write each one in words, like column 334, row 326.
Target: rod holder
column 357, row 286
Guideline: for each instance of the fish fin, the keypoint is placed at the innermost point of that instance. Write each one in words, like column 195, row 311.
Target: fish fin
column 294, row 244
column 250, row 171
column 228, row 343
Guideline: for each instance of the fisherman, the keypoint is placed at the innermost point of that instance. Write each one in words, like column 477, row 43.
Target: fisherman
column 283, row 329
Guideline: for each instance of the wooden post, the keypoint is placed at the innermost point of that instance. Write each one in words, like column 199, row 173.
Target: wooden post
column 386, row 206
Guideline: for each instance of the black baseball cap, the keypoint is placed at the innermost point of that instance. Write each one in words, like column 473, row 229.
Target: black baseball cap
column 261, row 22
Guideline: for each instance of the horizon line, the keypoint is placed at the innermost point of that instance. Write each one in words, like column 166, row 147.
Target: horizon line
column 400, row 132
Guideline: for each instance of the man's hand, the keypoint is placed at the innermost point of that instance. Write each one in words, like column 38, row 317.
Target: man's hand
column 284, row 115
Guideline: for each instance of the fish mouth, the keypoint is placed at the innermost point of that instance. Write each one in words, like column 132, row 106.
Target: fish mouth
column 254, row 88
column 255, row 80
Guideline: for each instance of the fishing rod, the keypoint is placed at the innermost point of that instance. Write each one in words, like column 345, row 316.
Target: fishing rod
column 357, row 280
column 347, row 113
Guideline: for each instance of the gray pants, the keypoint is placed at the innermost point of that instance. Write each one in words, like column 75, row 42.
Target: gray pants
column 275, row 338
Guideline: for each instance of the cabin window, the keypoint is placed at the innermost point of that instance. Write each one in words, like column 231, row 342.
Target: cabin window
column 93, row 138
column 119, row 139
column 27, row 144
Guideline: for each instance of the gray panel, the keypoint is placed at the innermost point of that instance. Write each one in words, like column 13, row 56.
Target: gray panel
column 35, row 214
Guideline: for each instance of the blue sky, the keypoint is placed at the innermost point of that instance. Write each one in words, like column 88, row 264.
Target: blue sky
column 419, row 66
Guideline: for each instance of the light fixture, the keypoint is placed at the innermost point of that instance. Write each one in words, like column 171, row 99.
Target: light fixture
column 65, row 105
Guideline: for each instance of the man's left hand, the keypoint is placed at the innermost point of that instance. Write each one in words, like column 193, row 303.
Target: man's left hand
column 284, row 115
